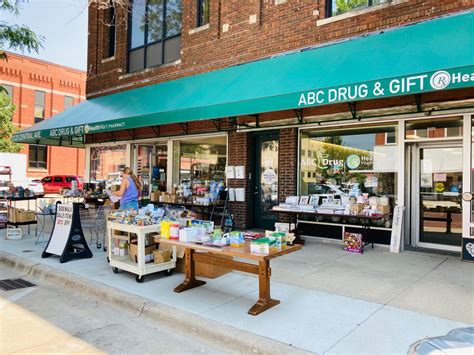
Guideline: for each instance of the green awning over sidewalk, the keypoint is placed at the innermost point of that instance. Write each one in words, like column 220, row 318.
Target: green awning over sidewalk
column 424, row 57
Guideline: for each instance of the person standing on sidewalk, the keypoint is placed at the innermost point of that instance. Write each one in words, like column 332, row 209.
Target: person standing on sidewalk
column 129, row 188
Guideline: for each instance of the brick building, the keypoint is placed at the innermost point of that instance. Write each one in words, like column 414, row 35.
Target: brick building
column 345, row 106
column 39, row 90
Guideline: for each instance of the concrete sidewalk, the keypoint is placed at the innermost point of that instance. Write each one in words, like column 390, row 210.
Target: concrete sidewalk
column 331, row 301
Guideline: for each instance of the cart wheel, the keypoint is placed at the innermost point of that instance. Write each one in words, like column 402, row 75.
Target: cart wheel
column 105, row 248
column 140, row 279
column 115, row 270
column 168, row 272
column 99, row 246
column 108, row 260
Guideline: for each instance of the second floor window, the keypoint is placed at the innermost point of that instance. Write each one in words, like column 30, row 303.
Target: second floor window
column 39, row 106
column 110, row 30
column 155, row 33
column 37, row 156
column 203, row 12
column 338, row 7
column 9, row 89
column 68, row 102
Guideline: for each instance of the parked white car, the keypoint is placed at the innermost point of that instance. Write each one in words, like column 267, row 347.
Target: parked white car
column 35, row 185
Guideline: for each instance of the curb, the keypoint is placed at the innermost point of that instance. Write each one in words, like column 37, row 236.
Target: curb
column 184, row 323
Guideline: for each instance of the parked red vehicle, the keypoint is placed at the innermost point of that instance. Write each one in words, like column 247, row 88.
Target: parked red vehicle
column 53, row 184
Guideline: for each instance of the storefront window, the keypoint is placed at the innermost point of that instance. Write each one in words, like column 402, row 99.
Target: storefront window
column 107, row 163
column 151, row 165
column 202, row 165
column 350, row 165
column 449, row 128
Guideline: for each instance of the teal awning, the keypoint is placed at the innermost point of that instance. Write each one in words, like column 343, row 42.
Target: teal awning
column 423, row 57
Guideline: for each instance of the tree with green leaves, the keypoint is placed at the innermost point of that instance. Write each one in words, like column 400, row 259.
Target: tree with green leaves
column 14, row 36
column 7, row 128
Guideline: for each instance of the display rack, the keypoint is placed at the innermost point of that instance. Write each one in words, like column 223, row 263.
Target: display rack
column 13, row 201
column 140, row 268
column 4, row 171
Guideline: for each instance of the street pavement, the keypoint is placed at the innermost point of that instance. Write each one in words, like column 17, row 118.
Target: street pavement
column 53, row 319
column 332, row 302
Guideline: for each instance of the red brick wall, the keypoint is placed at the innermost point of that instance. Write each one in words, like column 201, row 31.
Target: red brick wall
column 27, row 75
column 278, row 28
column 239, row 150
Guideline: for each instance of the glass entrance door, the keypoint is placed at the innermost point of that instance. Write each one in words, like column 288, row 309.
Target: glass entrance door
column 438, row 192
column 265, row 183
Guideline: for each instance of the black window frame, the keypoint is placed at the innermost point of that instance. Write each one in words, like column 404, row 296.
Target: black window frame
column 200, row 19
column 111, row 29
column 329, row 8
column 147, row 44
column 37, row 164
column 39, row 119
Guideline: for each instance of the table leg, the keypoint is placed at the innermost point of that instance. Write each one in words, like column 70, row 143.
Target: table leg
column 264, row 301
column 190, row 279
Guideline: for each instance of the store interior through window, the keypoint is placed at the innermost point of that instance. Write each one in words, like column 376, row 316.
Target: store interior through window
column 350, row 168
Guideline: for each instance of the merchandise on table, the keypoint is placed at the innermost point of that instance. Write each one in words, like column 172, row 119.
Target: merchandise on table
column 236, row 239
column 263, row 246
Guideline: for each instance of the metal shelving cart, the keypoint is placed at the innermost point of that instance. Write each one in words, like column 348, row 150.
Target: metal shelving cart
column 4, row 171
column 14, row 200
column 140, row 268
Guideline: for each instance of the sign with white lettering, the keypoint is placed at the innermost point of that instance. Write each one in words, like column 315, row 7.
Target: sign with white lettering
column 397, row 224
column 61, row 230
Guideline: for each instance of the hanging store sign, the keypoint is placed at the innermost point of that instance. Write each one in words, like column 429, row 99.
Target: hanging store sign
column 433, row 81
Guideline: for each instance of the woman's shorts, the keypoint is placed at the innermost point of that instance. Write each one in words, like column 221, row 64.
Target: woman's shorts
column 129, row 205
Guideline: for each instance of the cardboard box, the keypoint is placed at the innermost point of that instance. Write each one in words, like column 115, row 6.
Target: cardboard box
column 383, row 209
column 205, row 270
column 18, row 215
column 120, row 251
column 133, row 251
column 356, row 208
column 155, row 196
column 162, row 255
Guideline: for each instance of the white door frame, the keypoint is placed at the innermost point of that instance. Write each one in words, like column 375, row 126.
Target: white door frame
column 468, row 143
column 414, row 162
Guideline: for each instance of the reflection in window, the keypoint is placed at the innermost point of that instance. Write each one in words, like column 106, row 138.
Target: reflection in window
column 338, row 7
column 202, row 164
column 344, row 164
column 39, row 106
column 8, row 89
column 203, row 12
column 107, row 163
column 155, row 36
column 432, row 129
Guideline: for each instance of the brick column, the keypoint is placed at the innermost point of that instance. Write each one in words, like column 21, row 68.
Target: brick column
column 287, row 166
column 238, row 154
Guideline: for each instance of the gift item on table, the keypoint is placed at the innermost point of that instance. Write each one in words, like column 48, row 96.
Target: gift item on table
column 280, row 239
column 263, row 246
column 236, row 239
column 174, row 231
column 208, row 225
column 249, row 235
column 188, row 234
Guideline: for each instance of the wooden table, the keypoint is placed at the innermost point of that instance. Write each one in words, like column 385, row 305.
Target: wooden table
column 207, row 255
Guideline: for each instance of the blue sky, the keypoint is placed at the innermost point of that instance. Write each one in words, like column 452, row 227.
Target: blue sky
column 63, row 23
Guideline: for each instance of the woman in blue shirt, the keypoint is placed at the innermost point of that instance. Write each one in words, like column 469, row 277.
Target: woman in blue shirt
column 128, row 190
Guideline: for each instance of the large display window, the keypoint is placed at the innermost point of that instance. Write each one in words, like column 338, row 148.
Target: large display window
column 106, row 164
column 202, row 167
column 343, row 167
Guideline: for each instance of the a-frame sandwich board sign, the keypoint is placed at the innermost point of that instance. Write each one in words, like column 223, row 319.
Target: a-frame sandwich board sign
column 67, row 238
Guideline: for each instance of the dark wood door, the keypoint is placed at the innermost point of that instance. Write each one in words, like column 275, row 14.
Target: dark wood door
column 265, row 180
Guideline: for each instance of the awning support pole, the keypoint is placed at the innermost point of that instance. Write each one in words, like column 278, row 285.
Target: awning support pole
column 299, row 115
column 184, row 127
column 352, row 107
column 60, row 141
column 217, row 124
column 156, row 130
column 418, row 102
